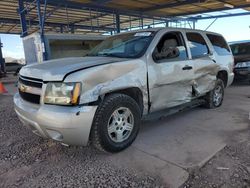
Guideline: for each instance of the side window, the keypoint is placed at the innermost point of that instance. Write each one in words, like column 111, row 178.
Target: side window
column 171, row 47
column 219, row 44
column 197, row 45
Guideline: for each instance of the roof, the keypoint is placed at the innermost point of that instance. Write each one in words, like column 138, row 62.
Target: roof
column 99, row 16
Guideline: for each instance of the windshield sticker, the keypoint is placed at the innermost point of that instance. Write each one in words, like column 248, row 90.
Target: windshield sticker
column 143, row 34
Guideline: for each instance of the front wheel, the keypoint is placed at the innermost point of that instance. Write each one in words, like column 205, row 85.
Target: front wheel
column 215, row 97
column 116, row 123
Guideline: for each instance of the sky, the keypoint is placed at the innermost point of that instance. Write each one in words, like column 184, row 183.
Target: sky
column 233, row 29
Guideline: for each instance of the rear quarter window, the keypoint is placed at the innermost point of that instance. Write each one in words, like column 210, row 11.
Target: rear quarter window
column 197, row 45
column 219, row 44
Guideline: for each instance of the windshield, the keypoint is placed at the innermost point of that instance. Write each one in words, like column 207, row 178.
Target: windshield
column 241, row 49
column 128, row 45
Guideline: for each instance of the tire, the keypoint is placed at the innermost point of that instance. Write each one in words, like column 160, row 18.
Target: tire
column 211, row 97
column 110, row 110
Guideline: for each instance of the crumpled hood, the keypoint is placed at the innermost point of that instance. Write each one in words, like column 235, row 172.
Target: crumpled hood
column 55, row 70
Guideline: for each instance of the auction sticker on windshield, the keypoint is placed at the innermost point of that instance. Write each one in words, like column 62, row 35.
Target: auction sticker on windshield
column 143, row 34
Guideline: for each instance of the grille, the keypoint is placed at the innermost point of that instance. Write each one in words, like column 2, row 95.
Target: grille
column 31, row 82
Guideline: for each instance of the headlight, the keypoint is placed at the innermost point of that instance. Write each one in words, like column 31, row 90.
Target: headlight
column 62, row 93
column 243, row 64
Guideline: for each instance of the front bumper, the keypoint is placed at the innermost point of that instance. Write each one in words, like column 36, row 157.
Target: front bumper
column 230, row 79
column 68, row 125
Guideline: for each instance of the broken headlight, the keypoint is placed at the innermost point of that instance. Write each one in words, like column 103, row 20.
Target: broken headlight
column 242, row 64
column 62, row 93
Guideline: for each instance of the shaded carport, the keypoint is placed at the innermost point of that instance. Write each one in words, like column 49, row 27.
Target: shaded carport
column 25, row 17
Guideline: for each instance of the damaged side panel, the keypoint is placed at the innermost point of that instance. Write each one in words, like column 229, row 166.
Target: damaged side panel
column 170, row 85
column 100, row 80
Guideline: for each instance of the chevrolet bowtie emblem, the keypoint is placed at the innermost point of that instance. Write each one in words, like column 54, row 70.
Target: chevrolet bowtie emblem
column 23, row 88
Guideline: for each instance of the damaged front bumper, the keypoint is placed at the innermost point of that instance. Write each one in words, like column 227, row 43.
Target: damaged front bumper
column 68, row 125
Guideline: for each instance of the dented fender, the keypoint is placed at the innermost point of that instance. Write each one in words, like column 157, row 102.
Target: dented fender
column 100, row 80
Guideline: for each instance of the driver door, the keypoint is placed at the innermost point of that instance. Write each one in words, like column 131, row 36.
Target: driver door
column 170, row 76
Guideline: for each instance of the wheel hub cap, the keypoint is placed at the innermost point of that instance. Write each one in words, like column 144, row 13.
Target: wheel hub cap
column 121, row 124
column 218, row 95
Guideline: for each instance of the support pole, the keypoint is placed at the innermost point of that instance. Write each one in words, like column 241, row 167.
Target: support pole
column 167, row 23
column 22, row 13
column 193, row 24
column 2, row 62
column 41, row 19
column 142, row 22
column 117, row 22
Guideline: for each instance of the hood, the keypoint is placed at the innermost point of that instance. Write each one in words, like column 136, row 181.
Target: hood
column 55, row 70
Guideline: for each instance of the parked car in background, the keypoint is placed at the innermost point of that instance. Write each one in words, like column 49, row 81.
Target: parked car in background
column 13, row 67
column 104, row 96
column 241, row 52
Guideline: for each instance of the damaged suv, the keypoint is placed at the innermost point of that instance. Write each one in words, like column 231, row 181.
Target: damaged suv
column 101, row 98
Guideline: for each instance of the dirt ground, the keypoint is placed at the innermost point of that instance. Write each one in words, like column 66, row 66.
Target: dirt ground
column 231, row 166
column 29, row 161
column 228, row 168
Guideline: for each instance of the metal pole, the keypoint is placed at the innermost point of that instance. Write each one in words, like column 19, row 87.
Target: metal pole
column 22, row 13
column 41, row 25
column 142, row 22
column 2, row 62
column 117, row 22
column 193, row 24
column 167, row 23
column 211, row 24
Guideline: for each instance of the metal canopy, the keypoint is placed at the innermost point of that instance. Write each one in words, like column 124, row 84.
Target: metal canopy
column 101, row 16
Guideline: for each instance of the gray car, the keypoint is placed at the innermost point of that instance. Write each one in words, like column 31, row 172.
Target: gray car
column 103, row 97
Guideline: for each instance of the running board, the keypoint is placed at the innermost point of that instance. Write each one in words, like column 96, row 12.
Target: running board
column 174, row 110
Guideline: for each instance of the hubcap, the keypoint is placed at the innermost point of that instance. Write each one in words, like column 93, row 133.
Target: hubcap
column 120, row 124
column 218, row 95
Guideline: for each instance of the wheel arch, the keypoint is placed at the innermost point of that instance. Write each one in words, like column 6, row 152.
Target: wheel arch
column 223, row 75
column 134, row 92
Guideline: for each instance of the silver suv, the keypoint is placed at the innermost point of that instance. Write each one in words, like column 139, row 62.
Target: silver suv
column 103, row 97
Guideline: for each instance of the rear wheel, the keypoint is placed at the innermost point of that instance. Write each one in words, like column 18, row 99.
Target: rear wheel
column 116, row 123
column 215, row 97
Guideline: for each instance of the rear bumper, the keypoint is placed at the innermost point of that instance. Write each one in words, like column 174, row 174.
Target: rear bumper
column 68, row 125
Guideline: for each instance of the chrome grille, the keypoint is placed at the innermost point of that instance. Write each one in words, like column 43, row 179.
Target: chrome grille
column 30, row 89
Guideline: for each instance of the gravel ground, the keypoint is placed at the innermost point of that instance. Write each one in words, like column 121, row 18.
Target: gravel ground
column 229, row 168
column 29, row 161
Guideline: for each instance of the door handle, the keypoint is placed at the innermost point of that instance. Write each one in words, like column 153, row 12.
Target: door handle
column 213, row 60
column 187, row 67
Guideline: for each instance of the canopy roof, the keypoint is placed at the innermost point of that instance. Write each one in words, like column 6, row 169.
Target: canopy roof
column 101, row 16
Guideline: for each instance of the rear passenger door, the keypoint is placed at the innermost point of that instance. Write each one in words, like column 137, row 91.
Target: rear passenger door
column 204, row 67
column 221, row 53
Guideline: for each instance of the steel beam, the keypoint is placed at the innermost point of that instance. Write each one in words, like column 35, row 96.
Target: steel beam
column 214, row 10
column 52, row 24
column 171, row 5
column 222, row 16
column 23, row 22
column 117, row 23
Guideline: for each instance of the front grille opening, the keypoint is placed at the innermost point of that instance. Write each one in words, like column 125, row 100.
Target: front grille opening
column 30, row 83
column 30, row 97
